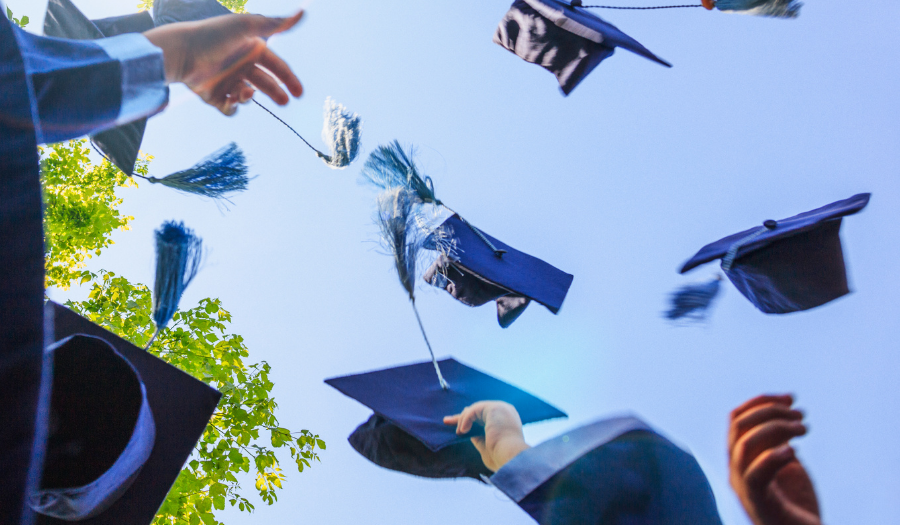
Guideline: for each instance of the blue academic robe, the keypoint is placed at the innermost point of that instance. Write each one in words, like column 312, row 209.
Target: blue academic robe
column 612, row 472
column 50, row 90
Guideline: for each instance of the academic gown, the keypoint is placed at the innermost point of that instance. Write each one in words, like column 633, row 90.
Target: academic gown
column 51, row 90
column 612, row 472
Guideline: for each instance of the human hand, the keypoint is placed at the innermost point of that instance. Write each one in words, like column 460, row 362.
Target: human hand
column 224, row 58
column 770, row 481
column 503, row 438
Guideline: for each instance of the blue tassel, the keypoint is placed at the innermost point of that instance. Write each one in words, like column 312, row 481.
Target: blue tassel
column 178, row 255
column 693, row 301
column 775, row 8
column 390, row 167
column 342, row 134
column 223, row 172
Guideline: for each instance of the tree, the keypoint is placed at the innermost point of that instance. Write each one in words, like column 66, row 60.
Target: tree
column 81, row 213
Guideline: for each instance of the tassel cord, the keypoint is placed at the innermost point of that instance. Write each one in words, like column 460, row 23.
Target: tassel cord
column 639, row 8
column 497, row 251
column 437, row 368
column 152, row 338
column 731, row 255
column 290, row 128
column 152, row 180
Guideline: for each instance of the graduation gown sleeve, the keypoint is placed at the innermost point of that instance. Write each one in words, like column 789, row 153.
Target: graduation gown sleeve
column 85, row 86
column 612, row 472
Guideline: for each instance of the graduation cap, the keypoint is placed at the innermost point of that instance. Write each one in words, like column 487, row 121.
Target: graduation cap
column 171, row 11
column 472, row 266
column 614, row 471
column 122, row 424
column 565, row 39
column 223, row 172
column 788, row 265
column 407, row 432
column 774, row 8
column 474, row 274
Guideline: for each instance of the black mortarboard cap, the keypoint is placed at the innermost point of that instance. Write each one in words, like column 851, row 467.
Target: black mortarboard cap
column 788, row 265
column 123, row 423
column 566, row 40
column 408, row 433
column 474, row 273
column 121, row 143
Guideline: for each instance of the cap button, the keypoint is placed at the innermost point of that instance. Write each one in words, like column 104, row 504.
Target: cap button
column 770, row 224
column 576, row 3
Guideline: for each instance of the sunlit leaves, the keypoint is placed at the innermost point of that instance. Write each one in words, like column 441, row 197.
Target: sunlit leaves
column 236, row 6
column 22, row 22
column 80, row 209
column 243, row 435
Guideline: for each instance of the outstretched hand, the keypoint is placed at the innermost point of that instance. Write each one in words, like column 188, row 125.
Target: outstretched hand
column 503, row 438
column 225, row 59
column 770, row 481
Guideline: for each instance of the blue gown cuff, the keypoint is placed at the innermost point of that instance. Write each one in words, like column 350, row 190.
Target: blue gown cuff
column 532, row 468
column 144, row 88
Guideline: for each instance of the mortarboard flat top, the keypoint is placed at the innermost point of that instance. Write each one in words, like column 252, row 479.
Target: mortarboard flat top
column 411, row 398
column 782, row 229
column 566, row 40
column 169, row 11
column 516, row 271
column 181, row 406
column 585, row 24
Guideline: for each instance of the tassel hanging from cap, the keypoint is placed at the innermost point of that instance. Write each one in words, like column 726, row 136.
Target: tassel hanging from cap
column 403, row 239
column 694, row 300
column 178, row 256
column 341, row 132
column 223, row 172
column 773, row 8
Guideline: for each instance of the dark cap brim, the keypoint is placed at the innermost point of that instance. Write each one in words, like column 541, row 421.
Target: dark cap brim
column 181, row 406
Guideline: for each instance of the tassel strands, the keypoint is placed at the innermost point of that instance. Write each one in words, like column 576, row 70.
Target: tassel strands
column 404, row 240
column 693, row 301
column 772, row 8
column 178, row 257
column 341, row 131
column 223, row 172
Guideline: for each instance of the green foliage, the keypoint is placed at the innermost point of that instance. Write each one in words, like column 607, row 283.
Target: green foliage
column 244, row 433
column 236, row 6
column 22, row 22
column 81, row 209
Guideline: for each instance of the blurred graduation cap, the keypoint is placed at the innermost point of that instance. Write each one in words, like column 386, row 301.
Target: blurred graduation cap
column 565, row 39
column 474, row 272
column 407, row 433
column 773, row 8
column 219, row 174
column 788, row 265
column 122, row 424
column 615, row 471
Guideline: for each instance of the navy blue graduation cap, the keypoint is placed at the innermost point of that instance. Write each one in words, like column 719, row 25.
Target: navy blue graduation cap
column 122, row 424
column 407, row 432
column 773, row 8
column 788, row 265
column 478, row 268
column 564, row 39
column 613, row 472
column 171, row 11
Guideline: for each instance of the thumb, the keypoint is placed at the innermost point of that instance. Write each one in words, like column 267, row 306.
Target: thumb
column 265, row 26
column 479, row 444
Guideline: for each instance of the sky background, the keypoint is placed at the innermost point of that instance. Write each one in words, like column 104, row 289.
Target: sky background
column 618, row 184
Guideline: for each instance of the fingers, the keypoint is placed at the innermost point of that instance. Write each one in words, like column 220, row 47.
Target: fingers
column 764, row 468
column 757, row 416
column 469, row 416
column 265, row 83
column 265, row 26
column 281, row 71
column 761, row 438
column 479, row 444
column 784, row 399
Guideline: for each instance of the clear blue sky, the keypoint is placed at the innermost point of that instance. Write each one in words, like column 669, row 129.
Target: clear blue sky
column 617, row 184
